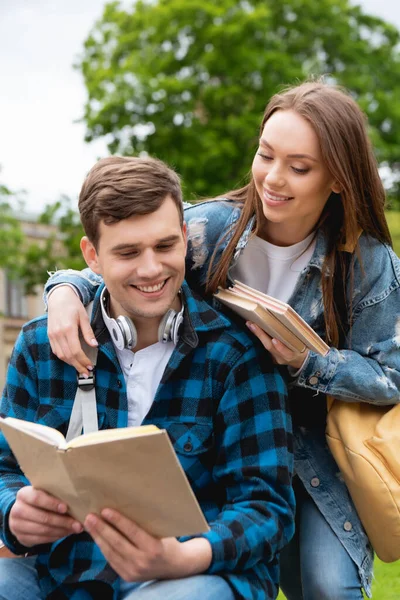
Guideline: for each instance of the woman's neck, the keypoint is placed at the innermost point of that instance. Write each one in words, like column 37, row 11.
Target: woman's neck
column 280, row 234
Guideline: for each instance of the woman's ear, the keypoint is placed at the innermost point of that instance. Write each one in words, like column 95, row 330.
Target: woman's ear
column 336, row 187
column 90, row 254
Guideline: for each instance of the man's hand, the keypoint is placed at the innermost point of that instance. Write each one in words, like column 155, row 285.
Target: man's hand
column 66, row 316
column 38, row 518
column 137, row 556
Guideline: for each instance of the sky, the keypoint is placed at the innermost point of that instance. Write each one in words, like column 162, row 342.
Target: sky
column 42, row 148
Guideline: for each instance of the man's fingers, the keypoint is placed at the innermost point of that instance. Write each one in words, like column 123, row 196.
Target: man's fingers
column 111, row 542
column 44, row 519
column 37, row 517
column 41, row 499
column 135, row 534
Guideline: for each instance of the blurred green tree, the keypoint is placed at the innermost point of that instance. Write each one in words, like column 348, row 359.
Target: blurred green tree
column 188, row 81
column 11, row 236
column 60, row 250
column 30, row 259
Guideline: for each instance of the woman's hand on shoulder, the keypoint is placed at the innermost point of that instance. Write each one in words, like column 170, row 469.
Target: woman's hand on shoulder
column 66, row 316
column 281, row 354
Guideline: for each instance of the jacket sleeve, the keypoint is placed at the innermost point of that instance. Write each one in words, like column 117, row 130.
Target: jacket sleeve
column 254, row 465
column 19, row 400
column 85, row 283
column 368, row 367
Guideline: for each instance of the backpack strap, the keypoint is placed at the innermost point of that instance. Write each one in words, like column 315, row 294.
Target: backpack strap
column 84, row 410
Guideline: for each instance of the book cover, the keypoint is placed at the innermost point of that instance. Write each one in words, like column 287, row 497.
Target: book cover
column 134, row 470
column 275, row 317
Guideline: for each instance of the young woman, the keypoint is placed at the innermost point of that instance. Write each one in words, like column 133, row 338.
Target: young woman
column 309, row 229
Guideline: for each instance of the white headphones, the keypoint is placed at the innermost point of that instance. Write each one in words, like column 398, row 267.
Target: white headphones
column 124, row 332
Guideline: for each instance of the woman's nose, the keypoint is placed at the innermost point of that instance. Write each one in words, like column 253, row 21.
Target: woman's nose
column 275, row 177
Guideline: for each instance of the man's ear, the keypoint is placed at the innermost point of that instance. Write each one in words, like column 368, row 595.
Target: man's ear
column 90, row 254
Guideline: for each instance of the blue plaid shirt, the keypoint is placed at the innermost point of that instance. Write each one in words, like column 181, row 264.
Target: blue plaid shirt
column 224, row 406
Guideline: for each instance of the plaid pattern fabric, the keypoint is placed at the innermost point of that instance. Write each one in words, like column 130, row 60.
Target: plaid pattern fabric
column 224, row 405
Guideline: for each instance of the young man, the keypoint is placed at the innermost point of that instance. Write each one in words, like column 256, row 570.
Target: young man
column 164, row 357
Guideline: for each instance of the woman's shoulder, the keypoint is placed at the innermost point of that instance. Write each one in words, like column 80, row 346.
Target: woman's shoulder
column 377, row 270
column 378, row 256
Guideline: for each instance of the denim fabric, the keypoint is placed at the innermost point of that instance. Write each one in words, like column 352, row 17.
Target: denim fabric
column 19, row 581
column 199, row 587
column 367, row 368
column 315, row 565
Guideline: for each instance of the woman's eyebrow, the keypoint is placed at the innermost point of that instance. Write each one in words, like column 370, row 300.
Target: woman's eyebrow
column 264, row 142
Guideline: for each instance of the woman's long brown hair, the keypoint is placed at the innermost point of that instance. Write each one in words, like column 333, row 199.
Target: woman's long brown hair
column 341, row 128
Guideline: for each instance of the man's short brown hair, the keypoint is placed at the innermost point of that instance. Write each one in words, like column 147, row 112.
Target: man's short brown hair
column 119, row 187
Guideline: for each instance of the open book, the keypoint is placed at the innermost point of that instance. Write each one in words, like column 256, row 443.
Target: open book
column 275, row 317
column 134, row 470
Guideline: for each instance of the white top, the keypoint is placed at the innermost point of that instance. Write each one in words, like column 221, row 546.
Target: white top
column 143, row 371
column 271, row 269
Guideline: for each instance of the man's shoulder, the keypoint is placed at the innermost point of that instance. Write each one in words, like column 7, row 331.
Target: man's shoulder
column 35, row 325
column 227, row 334
column 34, row 332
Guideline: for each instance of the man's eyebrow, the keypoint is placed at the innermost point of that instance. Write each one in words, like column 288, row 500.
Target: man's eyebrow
column 164, row 240
column 267, row 145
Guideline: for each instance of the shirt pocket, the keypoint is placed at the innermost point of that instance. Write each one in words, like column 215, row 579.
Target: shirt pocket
column 190, row 439
column 195, row 448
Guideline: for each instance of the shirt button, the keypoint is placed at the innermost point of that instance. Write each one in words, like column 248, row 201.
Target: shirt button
column 313, row 380
column 347, row 526
column 315, row 482
column 119, row 383
column 188, row 446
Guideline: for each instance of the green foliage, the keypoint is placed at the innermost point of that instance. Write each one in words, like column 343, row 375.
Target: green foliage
column 60, row 250
column 188, row 81
column 11, row 235
column 393, row 218
column 28, row 259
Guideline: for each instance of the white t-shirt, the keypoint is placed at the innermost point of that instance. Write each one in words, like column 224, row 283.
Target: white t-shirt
column 143, row 371
column 271, row 269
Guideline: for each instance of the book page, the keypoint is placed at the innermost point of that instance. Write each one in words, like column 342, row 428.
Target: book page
column 288, row 316
column 264, row 299
column 108, row 435
column 261, row 316
column 42, row 432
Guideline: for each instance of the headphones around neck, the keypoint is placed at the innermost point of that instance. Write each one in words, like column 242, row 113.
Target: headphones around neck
column 123, row 330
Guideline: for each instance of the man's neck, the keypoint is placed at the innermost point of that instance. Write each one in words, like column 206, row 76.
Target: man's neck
column 147, row 333
column 146, row 327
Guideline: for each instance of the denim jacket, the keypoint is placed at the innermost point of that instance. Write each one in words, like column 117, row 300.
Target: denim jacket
column 367, row 368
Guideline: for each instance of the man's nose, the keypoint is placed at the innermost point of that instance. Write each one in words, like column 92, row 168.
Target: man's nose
column 149, row 266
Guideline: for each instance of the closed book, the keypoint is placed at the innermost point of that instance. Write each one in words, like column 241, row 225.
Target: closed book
column 278, row 319
column 134, row 470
